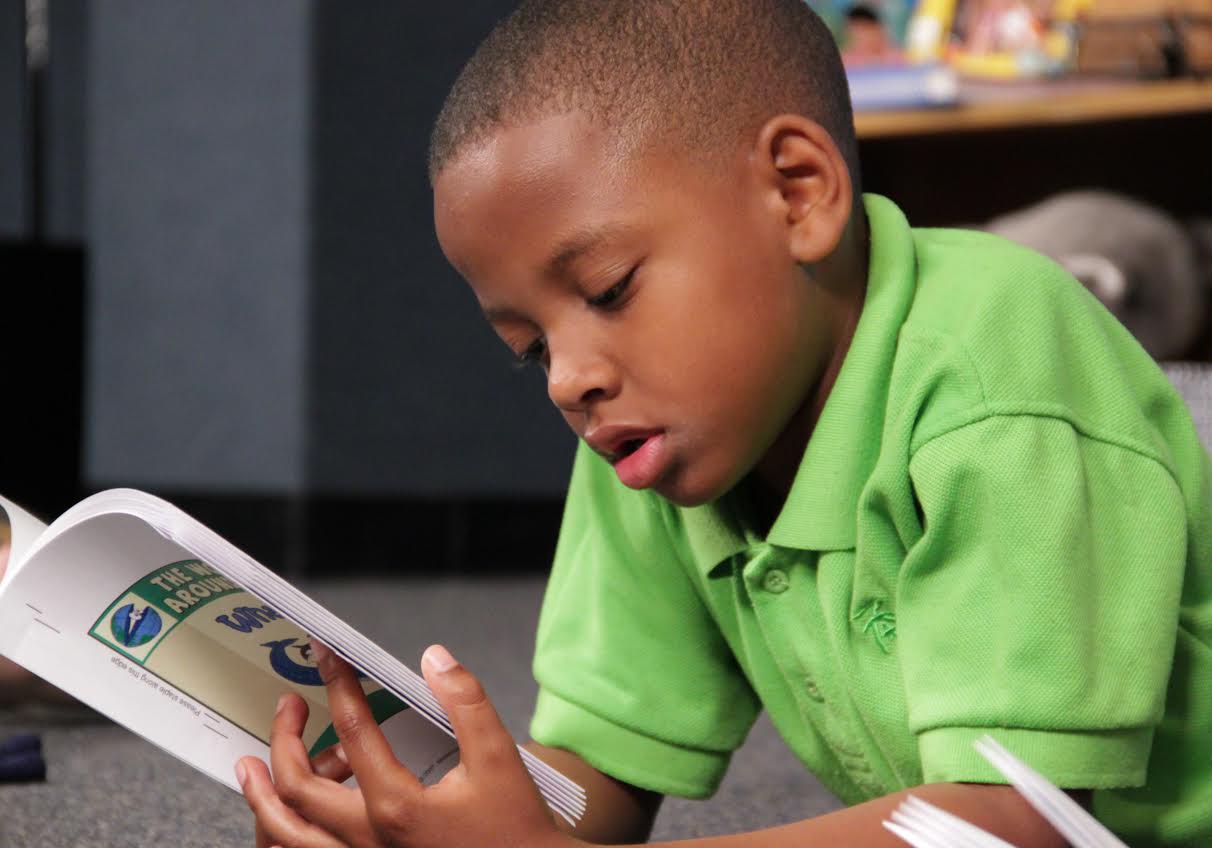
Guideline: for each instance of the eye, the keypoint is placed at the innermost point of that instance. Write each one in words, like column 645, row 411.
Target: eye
column 534, row 353
column 612, row 295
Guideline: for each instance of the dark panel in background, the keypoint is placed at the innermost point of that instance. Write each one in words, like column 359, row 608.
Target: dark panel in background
column 13, row 152
column 42, row 296
column 411, row 393
column 41, row 347
column 429, row 537
column 64, row 140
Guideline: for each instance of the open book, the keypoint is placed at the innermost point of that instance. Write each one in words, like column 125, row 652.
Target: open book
column 142, row 613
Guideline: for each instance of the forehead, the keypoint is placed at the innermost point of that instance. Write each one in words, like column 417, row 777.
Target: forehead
column 508, row 203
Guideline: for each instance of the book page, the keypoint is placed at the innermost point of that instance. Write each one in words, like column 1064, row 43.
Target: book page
column 140, row 629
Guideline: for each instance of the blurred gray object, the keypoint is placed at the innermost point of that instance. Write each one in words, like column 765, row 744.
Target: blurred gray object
column 1142, row 263
column 43, row 57
column 1194, row 382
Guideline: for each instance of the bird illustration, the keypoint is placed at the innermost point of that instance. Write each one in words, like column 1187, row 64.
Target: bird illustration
column 285, row 666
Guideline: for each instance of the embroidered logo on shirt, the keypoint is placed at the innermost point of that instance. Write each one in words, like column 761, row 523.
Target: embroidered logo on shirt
column 879, row 623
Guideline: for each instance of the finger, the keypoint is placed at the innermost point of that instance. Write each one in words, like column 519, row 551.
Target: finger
column 287, row 754
column 317, row 799
column 277, row 824
column 380, row 775
column 484, row 743
column 299, row 787
column 332, row 764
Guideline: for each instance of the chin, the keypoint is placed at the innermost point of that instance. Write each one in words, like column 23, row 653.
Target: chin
column 686, row 501
column 689, row 493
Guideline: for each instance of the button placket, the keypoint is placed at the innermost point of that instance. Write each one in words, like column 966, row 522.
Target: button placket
column 767, row 580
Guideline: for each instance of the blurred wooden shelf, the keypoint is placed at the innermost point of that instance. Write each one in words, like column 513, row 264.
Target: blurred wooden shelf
column 997, row 106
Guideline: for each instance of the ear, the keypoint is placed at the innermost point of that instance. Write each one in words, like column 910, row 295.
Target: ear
column 810, row 184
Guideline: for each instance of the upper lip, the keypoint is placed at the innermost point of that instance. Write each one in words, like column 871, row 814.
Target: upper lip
column 609, row 439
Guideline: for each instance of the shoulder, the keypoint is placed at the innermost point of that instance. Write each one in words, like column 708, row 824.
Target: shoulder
column 1024, row 337
column 981, row 288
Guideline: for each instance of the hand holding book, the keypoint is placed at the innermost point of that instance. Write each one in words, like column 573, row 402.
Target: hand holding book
column 489, row 798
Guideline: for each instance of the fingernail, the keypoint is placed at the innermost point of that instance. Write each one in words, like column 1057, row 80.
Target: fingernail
column 281, row 703
column 439, row 659
column 320, row 651
column 339, row 752
column 241, row 773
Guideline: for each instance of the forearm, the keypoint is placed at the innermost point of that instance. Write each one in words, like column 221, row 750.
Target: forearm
column 998, row 809
column 616, row 813
column 620, row 814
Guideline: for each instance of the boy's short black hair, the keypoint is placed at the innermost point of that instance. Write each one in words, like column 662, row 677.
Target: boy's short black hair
column 692, row 72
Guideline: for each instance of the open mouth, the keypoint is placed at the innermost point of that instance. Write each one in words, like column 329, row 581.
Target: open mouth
column 628, row 448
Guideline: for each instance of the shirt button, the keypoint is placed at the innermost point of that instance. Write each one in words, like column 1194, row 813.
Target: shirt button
column 813, row 691
column 775, row 581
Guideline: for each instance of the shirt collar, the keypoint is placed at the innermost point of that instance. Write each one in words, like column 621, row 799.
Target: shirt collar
column 820, row 511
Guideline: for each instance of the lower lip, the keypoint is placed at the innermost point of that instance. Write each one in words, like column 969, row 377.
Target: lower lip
column 643, row 468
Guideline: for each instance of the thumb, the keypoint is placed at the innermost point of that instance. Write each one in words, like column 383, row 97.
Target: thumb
column 484, row 743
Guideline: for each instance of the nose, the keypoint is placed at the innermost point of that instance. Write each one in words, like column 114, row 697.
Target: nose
column 578, row 377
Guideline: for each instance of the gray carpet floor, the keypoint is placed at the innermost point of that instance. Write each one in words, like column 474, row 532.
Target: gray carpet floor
column 107, row 787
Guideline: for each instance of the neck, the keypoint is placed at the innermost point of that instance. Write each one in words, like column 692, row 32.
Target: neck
column 774, row 474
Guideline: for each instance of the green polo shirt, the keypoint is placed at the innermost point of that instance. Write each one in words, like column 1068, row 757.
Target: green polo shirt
column 1000, row 525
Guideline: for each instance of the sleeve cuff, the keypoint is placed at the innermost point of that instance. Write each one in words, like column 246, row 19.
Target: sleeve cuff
column 1071, row 759
column 625, row 754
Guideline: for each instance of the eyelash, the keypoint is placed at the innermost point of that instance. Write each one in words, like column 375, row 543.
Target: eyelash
column 533, row 354
column 608, row 299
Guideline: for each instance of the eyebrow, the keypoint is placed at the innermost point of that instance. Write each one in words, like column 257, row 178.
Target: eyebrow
column 493, row 314
column 577, row 245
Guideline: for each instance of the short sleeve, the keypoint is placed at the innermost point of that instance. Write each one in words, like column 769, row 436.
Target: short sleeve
column 1041, row 603
column 634, row 675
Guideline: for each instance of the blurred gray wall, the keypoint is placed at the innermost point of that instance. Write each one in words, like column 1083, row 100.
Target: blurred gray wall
column 197, row 233
column 270, row 311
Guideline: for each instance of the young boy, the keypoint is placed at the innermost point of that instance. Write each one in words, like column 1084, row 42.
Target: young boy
column 900, row 488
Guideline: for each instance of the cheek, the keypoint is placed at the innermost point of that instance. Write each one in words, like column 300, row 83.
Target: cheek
column 757, row 370
column 753, row 338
